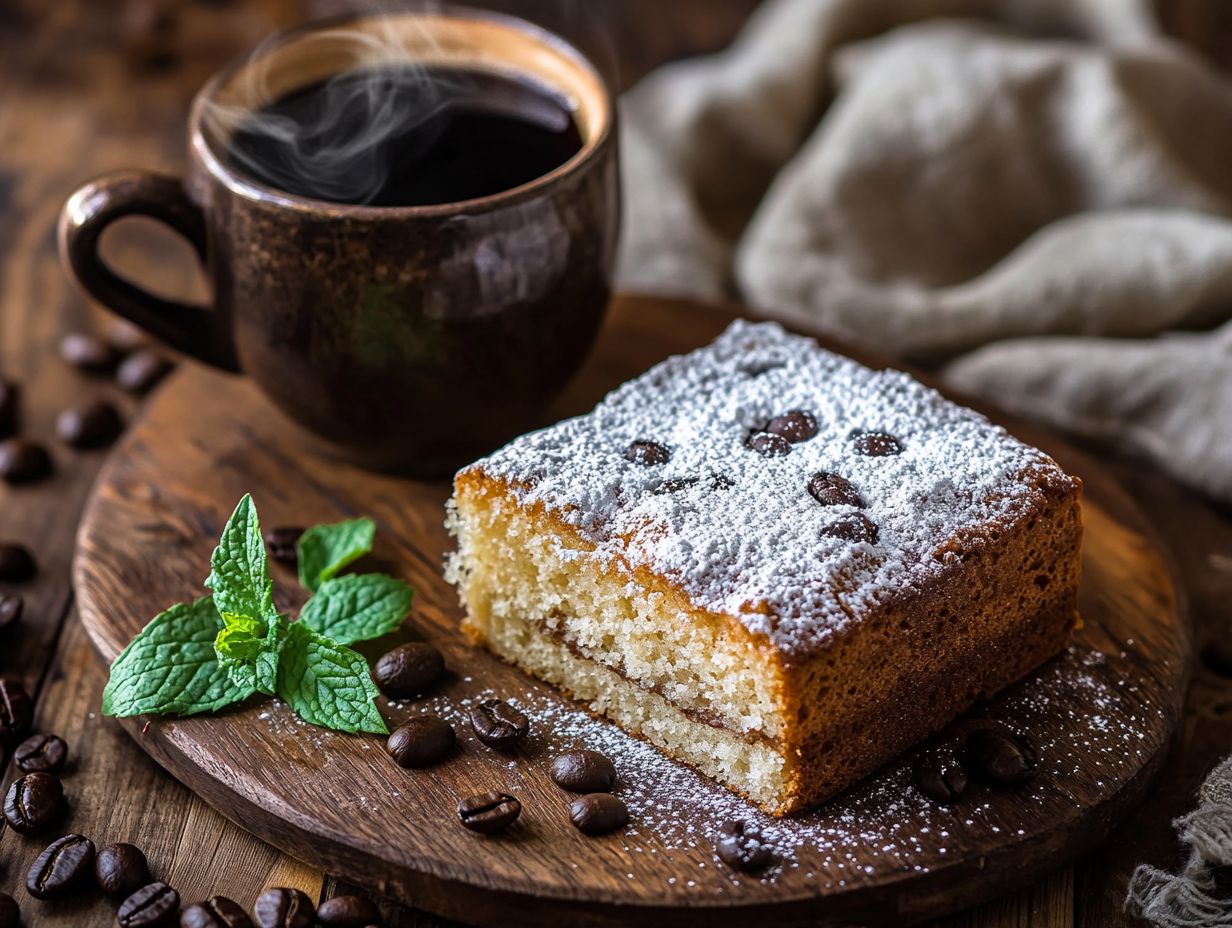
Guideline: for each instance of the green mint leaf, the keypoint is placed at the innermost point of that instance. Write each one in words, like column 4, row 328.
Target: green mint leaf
column 248, row 651
column 326, row 549
column 242, row 638
column 240, row 572
column 170, row 666
column 326, row 683
column 357, row 607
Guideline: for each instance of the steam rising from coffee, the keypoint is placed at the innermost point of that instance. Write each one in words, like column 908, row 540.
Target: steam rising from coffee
column 386, row 130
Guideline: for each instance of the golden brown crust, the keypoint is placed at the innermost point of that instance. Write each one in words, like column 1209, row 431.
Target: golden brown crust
column 907, row 668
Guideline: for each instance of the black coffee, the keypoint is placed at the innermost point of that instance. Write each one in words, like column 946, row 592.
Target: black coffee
column 405, row 136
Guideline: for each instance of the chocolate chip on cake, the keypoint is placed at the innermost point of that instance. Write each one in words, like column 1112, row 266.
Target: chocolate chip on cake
column 94, row 424
column 769, row 445
column 1000, row 757
column 742, row 847
column 854, row 526
column 23, row 461
column 16, row 562
column 88, row 353
column 796, row 426
column 876, row 444
column 584, row 771
column 281, row 542
column 647, row 453
column 833, row 490
column 675, row 485
column 939, row 774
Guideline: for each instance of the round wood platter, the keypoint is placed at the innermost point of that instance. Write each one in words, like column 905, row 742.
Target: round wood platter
column 1102, row 713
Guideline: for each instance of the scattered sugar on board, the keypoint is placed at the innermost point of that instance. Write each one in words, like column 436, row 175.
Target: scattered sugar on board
column 675, row 811
column 752, row 546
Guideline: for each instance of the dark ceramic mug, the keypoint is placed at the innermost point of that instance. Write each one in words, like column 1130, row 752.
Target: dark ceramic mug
column 415, row 337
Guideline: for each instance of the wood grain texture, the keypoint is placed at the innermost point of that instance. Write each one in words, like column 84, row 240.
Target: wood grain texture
column 1105, row 710
column 74, row 103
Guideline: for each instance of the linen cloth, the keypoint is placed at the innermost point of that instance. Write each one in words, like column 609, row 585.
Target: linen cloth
column 1033, row 197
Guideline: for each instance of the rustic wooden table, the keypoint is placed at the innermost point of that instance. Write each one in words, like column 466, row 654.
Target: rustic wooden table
column 92, row 85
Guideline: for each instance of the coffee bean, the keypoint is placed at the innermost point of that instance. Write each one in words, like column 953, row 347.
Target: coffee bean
column 347, row 912
column 876, row 444
column 769, row 445
column 284, row 908
column 16, row 562
column 142, row 371
column 796, row 426
column 489, row 813
column 1217, row 655
column 94, row 424
column 10, row 408
column 647, row 453
column 584, row 772
column 1002, row 758
column 215, row 912
column 121, row 869
column 152, row 906
column 833, row 490
column 939, row 774
column 854, row 526
column 125, row 337
column 11, row 608
column 34, row 802
column 10, row 914
column 16, row 712
column 23, row 461
column 423, row 740
column 409, row 670
column 742, row 847
column 598, row 813
column 88, row 353
column 41, row 754
column 61, row 867
column 281, row 543
column 498, row 724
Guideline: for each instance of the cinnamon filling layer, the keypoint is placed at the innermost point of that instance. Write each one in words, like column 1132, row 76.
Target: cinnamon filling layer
column 692, row 713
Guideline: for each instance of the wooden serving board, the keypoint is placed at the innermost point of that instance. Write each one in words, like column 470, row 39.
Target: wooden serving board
column 1102, row 713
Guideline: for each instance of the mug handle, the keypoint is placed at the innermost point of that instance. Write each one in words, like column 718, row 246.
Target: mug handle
column 193, row 330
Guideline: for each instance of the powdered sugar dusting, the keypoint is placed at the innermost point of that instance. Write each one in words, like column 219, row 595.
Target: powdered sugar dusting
column 739, row 531
column 1087, row 719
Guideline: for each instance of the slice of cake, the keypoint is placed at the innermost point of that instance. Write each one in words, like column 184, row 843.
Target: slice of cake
column 776, row 565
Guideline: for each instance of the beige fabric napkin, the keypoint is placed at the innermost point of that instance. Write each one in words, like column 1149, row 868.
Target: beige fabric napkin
column 1034, row 197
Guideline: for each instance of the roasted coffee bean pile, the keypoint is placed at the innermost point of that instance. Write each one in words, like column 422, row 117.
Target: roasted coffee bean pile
column 411, row 670
column 72, row 867
column 997, row 757
column 92, row 423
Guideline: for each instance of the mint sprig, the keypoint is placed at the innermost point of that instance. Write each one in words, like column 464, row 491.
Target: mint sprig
column 325, row 549
column 170, row 667
column 224, row 648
